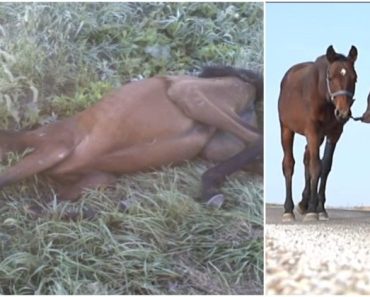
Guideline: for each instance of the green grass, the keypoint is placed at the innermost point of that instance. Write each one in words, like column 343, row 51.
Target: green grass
column 147, row 234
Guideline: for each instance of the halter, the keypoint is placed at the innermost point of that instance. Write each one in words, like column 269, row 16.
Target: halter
column 337, row 93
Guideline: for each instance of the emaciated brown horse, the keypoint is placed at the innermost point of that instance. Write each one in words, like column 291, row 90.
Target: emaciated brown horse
column 143, row 125
column 315, row 101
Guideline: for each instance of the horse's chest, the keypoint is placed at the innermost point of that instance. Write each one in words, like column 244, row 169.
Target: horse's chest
column 329, row 126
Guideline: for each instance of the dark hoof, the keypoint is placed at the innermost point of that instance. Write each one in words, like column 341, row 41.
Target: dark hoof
column 123, row 205
column 216, row 201
column 288, row 217
column 323, row 216
column 310, row 217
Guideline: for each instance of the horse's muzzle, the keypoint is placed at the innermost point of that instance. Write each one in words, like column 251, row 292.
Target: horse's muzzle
column 342, row 116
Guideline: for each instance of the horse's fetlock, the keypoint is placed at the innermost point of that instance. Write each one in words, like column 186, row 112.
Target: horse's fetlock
column 212, row 178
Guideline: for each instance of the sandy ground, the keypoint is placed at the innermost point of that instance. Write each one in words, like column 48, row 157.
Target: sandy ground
column 325, row 257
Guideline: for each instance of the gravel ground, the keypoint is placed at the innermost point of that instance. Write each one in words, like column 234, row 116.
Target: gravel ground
column 318, row 258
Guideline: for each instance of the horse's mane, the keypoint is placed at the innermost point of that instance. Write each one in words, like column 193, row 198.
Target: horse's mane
column 246, row 75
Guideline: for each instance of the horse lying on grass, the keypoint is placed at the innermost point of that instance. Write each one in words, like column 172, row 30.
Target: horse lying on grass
column 146, row 124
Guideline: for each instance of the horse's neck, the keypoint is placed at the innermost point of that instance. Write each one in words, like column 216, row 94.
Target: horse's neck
column 322, row 67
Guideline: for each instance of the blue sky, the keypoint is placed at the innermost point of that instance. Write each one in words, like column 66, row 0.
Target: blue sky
column 298, row 32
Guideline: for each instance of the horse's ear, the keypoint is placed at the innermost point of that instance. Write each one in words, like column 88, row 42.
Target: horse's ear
column 331, row 54
column 352, row 55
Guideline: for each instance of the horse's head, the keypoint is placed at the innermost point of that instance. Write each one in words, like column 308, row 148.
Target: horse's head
column 341, row 79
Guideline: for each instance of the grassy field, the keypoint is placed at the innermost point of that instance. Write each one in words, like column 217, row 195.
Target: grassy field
column 147, row 234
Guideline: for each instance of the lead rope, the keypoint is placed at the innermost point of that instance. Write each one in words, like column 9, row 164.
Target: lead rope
column 356, row 118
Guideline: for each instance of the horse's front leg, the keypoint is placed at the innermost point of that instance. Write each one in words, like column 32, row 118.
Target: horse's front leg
column 214, row 177
column 197, row 106
column 313, row 144
column 306, row 194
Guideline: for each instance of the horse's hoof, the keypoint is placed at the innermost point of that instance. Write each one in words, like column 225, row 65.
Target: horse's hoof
column 288, row 217
column 310, row 217
column 216, row 201
column 323, row 216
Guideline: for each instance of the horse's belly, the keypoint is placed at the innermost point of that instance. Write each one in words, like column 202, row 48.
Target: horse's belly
column 143, row 156
column 156, row 153
column 294, row 117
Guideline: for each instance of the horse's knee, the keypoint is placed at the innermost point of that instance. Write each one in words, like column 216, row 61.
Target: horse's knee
column 288, row 165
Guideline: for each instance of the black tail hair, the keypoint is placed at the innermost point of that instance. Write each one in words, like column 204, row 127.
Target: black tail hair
column 248, row 76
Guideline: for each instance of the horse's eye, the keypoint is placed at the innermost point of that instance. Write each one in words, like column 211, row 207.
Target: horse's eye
column 343, row 71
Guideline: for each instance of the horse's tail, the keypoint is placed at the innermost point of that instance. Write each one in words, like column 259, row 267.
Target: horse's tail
column 248, row 76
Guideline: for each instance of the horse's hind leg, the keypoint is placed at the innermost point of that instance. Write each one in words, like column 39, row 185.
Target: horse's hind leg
column 287, row 138
column 39, row 160
column 306, row 194
column 214, row 177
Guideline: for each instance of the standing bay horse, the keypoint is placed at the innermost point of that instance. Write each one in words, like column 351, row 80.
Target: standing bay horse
column 315, row 101
column 143, row 125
